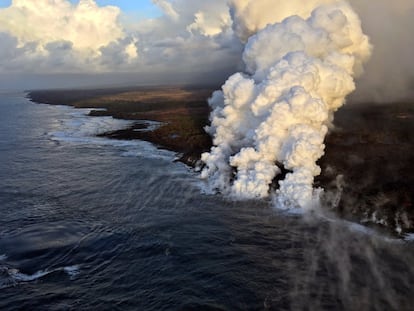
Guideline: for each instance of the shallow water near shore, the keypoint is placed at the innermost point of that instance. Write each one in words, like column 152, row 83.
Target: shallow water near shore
column 92, row 223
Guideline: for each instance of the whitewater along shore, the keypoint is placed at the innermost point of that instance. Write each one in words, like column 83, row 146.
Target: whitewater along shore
column 182, row 112
column 367, row 169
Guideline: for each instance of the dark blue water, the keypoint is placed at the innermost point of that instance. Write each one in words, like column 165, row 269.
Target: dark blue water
column 88, row 223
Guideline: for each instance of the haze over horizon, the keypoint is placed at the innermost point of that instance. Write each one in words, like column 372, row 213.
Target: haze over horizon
column 62, row 43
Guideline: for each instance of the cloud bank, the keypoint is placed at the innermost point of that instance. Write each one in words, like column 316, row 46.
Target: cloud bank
column 191, row 38
column 60, row 37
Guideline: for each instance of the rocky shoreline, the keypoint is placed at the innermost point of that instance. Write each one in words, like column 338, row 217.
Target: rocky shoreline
column 182, row 112
column 367, row 170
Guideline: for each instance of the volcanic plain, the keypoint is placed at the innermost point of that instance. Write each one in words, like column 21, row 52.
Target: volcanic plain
column 367, row 169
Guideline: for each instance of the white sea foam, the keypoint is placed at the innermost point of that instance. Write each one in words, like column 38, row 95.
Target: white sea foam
column 409, row 237
column 10, row 276
column 77, row 127
column 72, row 271
column 146, row 150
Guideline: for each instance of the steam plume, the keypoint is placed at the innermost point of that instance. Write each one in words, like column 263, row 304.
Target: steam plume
column 299, row 69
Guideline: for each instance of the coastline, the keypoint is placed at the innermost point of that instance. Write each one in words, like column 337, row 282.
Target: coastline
column 181, row 111
column 367, row 169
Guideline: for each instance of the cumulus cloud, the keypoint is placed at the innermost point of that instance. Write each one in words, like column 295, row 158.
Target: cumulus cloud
column 200, row 40
column 211, row 20
column 86, row 25
column 60, row 36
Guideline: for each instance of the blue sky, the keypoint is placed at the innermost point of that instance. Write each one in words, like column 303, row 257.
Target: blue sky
column 143, row 8
column 4, row 3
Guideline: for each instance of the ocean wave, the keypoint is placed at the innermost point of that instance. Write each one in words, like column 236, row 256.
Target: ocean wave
column 77, row 127
column 10, row 276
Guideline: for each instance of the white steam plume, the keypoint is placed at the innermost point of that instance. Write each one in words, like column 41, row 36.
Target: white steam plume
column 299, row 71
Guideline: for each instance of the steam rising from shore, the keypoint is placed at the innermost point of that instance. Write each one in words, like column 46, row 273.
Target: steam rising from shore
column 300, row 65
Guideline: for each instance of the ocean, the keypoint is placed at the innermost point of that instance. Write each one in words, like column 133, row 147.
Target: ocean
column 90, row 223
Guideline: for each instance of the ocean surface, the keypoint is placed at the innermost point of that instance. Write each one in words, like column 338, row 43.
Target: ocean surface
column 89, row 223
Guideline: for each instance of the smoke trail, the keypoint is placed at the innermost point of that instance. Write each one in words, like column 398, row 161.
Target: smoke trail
column 299, row 71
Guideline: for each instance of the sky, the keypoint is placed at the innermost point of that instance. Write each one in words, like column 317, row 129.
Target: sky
column 46, row 43
column 157, row 41
column 139, row 9
column 145, row 7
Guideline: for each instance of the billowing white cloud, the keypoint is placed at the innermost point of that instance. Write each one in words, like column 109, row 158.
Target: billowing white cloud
column 199, row 40
column 86, row 25
column 60, row 36
column 250, row 16
column 211, row 20
column 299, row 71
